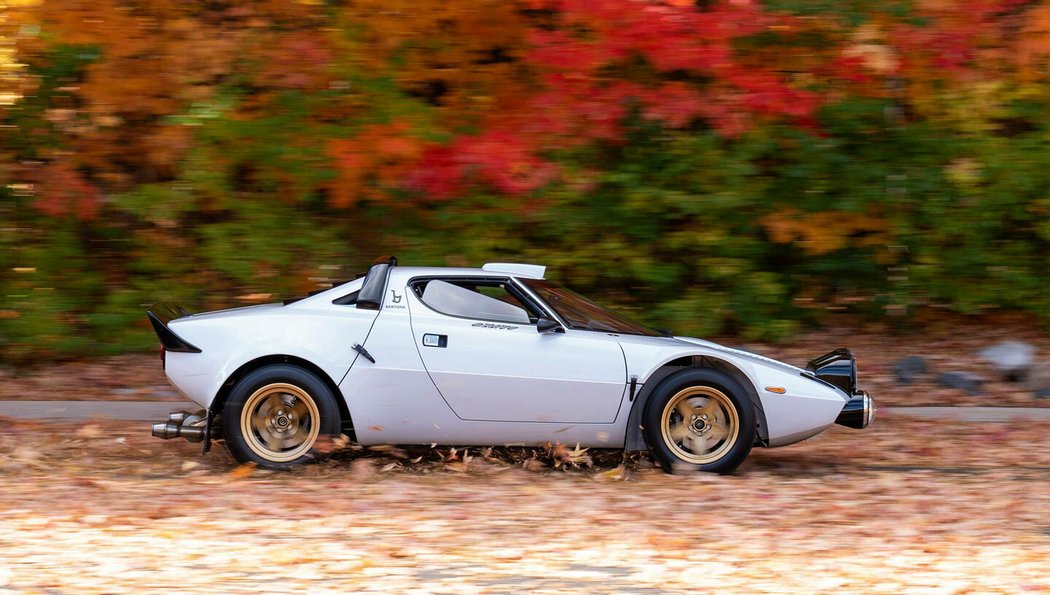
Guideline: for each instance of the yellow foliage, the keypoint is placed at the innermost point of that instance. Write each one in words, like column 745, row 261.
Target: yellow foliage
column 12, row 17
column 868, row 44
column 825, row 231
column 964, row 172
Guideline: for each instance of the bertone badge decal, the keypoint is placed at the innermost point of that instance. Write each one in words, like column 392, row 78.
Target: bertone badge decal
column 394, row 302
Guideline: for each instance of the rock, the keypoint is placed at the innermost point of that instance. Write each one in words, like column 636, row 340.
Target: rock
column 1038, row 376
column 909, row 369
column 966, row 381
column 1010, row 358
column 1043, row 393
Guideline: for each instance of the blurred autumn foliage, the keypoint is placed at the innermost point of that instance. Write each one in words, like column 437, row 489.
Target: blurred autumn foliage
column 709, row 166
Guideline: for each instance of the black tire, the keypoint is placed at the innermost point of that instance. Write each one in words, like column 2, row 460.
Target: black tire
column 699, row 419
column 275, row 415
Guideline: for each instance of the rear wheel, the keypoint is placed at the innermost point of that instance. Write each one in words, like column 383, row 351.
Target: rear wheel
column 699, row 419
column 275, row 415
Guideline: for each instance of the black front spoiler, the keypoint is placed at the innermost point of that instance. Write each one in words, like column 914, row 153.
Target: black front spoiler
column 838, row 368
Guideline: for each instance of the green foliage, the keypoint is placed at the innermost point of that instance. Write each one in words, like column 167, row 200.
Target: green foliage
column 853, row 12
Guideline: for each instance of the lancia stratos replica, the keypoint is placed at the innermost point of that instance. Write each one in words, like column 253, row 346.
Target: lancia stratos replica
column 489, row 356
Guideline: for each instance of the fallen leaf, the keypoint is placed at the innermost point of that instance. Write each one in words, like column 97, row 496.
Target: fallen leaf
column 362, row 469
column 616, row 474
column 90, row 431
column 242, row 471
column 533, row 465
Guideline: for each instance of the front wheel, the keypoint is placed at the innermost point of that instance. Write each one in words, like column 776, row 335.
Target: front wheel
column 699, row 419
column 275, row 415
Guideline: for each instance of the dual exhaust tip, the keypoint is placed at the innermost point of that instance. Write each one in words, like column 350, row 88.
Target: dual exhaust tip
column 858, row 413
column 183, row 424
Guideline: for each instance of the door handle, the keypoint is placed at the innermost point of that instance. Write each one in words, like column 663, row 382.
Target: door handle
column 364, row 352
column 432, row 340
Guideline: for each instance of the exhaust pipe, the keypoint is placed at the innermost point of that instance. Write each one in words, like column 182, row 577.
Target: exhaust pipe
column 858, row 413
column 183, row 424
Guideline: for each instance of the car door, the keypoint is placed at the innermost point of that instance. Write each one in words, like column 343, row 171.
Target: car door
column 489, row 363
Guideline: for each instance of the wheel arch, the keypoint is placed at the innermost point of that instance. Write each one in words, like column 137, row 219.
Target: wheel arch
column 634, row 440
column 224, row 391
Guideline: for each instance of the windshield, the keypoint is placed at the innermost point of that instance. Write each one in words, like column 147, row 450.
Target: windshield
column 583, row 314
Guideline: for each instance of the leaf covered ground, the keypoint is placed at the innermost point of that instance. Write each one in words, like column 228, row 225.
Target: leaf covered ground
column 906, row 506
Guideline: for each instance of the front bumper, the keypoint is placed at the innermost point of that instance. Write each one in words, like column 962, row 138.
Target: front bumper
column 859, row 411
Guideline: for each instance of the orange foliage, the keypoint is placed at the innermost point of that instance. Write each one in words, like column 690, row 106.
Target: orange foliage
column 1033, row 44
column 464, row 55
column 826, row 231
column 155, row 57
column 374, row 161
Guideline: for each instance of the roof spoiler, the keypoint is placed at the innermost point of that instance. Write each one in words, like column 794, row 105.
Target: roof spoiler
column 160, row 314
column 534, row 271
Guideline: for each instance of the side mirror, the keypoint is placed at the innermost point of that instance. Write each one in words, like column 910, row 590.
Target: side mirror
column 546, row 325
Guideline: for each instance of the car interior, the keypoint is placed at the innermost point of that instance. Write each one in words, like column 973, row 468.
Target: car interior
column 469, row 302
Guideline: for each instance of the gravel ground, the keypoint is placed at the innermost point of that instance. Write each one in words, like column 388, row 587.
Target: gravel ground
column 907, row 506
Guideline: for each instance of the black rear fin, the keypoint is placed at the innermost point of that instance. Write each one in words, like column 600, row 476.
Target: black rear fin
column 160, row 314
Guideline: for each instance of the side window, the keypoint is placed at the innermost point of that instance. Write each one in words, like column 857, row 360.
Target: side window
column 483, row 300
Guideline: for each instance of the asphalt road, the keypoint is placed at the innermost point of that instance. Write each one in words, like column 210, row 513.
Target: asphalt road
column 158, row 411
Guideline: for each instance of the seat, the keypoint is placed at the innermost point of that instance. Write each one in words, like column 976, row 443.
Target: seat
column 457, row 301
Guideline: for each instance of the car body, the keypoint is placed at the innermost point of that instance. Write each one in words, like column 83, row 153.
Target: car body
column 483, row 356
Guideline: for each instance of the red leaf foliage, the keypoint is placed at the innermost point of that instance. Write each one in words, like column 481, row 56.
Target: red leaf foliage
column 497, row 158
column 669, row 60
column 297, row 61
column 63, row 191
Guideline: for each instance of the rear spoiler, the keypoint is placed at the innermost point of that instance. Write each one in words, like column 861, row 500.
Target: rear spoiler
column 160, row 314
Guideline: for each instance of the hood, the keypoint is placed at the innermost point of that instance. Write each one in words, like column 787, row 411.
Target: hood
column 740, row 353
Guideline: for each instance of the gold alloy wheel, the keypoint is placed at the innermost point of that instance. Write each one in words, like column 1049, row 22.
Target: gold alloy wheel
column 280, row 422
column 699, row 424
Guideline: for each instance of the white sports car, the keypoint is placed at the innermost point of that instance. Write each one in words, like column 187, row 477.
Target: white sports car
column 489, row 356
